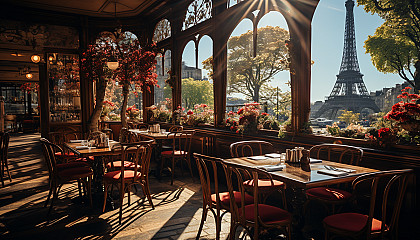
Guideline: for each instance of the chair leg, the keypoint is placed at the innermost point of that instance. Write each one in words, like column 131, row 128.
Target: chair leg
column 1, row 174
column 188, row 160
column 89, row 190
column 55, row 197
column 146, row 191
column 283, row 195
column 172, row 171
column 162, row 164
column 218, row 224
column 105, row 196
column 129, row 193
column 203, row 219
column 79, row 187
column 49, row 193
column 8, row 171
column 122, row 193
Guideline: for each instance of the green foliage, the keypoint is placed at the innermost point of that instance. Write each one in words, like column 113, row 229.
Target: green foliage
column 250, row 75
column 395, row 47
column 196, row 92
column 349, row 117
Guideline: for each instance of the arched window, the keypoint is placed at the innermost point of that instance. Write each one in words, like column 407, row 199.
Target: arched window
column 198, row 11
column 162, row 30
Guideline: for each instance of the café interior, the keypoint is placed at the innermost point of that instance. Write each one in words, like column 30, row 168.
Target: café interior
column 68, row 172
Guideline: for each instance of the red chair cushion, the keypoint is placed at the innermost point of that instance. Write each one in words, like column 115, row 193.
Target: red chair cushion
column 176, row 153
column 330, row 194
column 225, row 198
column 268, row 214
column 264, row 184
column 352, row 222
column 64, row 166
column 117, row 164
column 115, row 175
column 75, row 173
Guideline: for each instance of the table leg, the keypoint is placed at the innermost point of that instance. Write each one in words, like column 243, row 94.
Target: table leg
column 98, row 174
column 297, row 202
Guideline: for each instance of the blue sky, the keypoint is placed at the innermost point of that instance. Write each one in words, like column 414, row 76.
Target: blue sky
column 327, row 46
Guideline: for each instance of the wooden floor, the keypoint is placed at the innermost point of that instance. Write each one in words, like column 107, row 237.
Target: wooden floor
column 22, row 215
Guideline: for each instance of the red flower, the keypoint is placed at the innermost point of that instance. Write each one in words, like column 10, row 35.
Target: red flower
column 384, row 132
column 240, row 111
column 264, row 114
column 190, row 112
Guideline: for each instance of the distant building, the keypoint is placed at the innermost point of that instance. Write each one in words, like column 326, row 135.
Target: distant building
column 190, row 72
column 315, row 107
column 387, row 97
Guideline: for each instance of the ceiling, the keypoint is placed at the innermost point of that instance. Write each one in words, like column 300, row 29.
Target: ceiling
column 97, row 8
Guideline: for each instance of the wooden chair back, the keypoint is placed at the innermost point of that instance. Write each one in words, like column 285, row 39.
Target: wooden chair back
column 386, row 187
column 49, row 150
column 181, row 141
column 337, row 153
column 140, row 154
column 236, row 174
column 176, row 129
column 214, row 163
column 250, row 148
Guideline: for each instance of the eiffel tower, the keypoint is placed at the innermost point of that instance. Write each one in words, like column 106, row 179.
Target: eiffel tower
column 349, row 92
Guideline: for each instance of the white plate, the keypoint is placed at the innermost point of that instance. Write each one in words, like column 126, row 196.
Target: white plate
column 258, row 157
column 273, row 155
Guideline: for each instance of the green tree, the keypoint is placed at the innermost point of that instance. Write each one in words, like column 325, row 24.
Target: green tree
column 196, row 92
column 251, row 75
column 349, row 117
column 395, row 46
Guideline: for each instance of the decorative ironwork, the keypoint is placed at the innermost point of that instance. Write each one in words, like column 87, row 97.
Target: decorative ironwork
column 349, row 91
column 198, row 11
column 231, row 3
column 162, row 30
column 38, row 36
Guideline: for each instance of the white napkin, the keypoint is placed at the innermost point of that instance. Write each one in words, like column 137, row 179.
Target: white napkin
column 272, row 168
column 273, row 155
column 314, row 160
column 82, row 147
column 258, row 157
column 332, row 172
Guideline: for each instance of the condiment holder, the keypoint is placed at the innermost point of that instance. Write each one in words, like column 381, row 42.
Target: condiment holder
column 155, row 128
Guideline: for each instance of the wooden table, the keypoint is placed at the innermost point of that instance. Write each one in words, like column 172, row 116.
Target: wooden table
column 299, row 180
column 294, row 176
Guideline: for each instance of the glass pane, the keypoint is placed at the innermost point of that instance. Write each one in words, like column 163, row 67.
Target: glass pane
column 163, row 93
column 64, row 86
column 162, row 30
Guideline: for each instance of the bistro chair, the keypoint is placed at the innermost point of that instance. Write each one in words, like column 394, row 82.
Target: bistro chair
column 329, row 196
column 255, row 148
column 4, row 149
column 60, row 174
column 139, row 153
column 142, row 126
column 256, row 216
column 217, row 202
column 60, row 138
column 115, row 161
column 181, row 150
column 387, row 190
